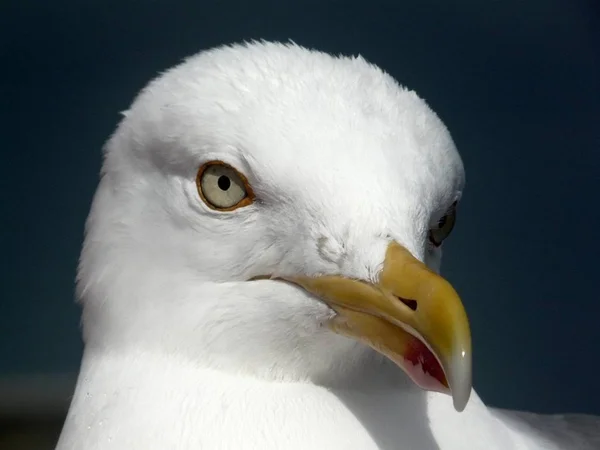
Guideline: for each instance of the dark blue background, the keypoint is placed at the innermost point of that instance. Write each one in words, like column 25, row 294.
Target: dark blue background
column 517, row 83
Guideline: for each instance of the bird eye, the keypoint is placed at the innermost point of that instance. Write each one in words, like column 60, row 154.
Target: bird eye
column 444, row 227
column 222, row 187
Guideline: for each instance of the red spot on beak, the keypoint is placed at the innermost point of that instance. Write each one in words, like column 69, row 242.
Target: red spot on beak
column 424, row 368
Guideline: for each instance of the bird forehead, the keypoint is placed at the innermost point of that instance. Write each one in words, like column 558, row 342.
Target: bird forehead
column 298, row 117
column 347, row 155
column 298, row 90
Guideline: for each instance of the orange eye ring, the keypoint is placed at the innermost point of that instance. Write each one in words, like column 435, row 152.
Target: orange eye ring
column 222, row 187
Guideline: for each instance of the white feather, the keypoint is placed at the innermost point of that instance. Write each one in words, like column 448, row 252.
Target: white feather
column 181, row 351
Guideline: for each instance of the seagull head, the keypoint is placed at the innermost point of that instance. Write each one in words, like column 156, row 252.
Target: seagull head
column 278, row 212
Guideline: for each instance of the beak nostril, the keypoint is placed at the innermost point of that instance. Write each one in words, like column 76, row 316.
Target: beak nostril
column 412, row 304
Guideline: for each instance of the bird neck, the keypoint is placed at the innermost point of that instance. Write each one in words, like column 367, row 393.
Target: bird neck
column 153, row 401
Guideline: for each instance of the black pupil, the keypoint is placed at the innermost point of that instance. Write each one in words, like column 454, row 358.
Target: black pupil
column 224, row 182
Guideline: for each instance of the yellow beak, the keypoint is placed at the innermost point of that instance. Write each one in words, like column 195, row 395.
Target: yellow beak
column 413, row 316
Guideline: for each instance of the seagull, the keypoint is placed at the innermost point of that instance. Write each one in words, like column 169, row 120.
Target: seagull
column 260, row 270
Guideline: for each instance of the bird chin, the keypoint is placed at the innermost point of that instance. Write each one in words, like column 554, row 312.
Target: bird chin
column 407, row 350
